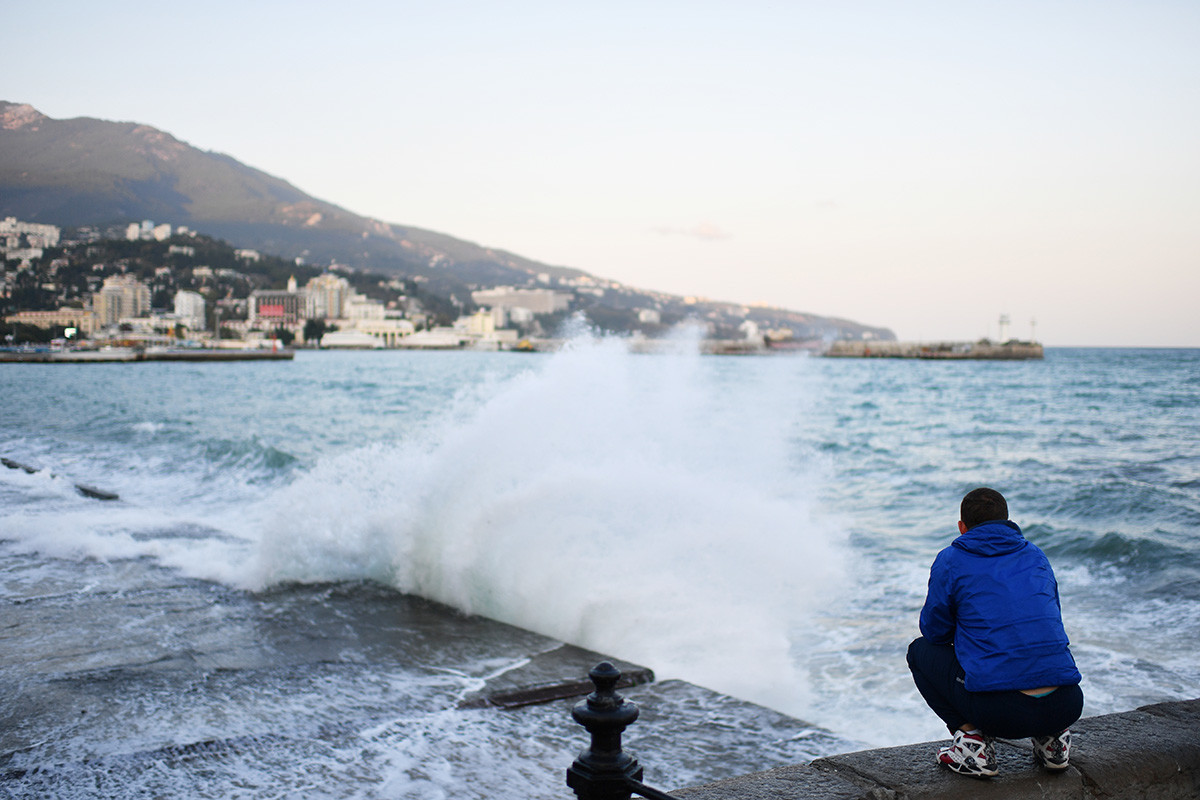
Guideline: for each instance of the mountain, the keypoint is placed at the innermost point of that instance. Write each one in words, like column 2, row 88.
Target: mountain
column 85, row 171
column 89, row 172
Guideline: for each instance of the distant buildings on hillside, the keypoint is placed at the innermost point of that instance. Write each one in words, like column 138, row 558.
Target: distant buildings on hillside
column 146, row 230
column 25, row 241
column 512, row 306
column 196, row 299
column 538, row 301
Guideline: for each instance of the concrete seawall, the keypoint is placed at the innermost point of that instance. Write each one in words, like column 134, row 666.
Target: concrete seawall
column 1152, row 753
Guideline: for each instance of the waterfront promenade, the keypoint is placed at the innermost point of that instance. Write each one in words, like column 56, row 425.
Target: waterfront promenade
column 1152, row 753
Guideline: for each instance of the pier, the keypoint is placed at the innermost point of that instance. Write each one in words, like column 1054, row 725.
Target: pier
column 125, row 355
column 982, row 350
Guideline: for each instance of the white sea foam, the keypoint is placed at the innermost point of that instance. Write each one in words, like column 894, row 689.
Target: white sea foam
column 633, row 504
column 176, row 517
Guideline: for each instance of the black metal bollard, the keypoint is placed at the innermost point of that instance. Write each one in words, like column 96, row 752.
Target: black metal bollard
column 603, row 771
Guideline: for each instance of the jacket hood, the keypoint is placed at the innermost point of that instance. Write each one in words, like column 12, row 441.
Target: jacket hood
column 996, row 538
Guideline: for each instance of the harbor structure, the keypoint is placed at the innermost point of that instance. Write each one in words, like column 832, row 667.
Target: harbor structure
column 946, row 351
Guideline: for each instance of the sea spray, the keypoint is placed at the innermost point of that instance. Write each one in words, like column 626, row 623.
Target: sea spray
column 617, row 501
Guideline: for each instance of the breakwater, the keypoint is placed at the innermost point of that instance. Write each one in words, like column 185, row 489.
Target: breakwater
column 947, row 351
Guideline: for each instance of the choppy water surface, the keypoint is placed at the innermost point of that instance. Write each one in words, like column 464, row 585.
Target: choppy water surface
column 760, row 526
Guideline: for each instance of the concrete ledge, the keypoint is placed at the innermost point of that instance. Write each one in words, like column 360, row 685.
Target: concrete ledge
column 552, row 675
column 1152, row 753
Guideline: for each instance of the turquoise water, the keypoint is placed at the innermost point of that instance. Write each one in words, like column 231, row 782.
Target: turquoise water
column 761, row 526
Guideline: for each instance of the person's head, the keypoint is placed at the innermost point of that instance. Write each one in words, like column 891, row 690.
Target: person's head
column 981, row 505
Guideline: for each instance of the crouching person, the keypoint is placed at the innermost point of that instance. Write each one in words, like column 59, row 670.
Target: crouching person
column 993, row 659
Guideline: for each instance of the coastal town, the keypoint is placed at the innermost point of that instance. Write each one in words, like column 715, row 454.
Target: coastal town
column 151, row 285
column 156, row 291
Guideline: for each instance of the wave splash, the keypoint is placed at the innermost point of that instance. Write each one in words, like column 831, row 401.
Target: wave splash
column 647, row 506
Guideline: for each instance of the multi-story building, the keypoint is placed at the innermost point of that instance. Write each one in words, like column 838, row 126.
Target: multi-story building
column 481, row 323
column 120, row 296
column 79, row 318
column 190, row 309
column 327, row 295
column 361, row 308
column 274, row 308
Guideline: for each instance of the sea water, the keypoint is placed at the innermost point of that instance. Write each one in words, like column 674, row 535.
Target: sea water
column 759, row 526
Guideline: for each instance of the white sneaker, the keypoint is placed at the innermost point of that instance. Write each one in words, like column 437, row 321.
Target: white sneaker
column 1052, row 752
column 970, row 754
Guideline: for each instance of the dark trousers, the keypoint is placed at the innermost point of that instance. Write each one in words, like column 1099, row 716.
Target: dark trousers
column 1009, row 715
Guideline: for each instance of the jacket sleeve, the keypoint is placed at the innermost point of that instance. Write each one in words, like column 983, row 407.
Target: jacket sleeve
column 938, row 615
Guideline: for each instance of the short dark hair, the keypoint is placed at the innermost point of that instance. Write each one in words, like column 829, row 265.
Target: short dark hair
column 982, row 505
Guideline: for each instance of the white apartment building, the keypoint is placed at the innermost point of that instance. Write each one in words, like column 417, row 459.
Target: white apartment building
column 359, row 308
column 189, row 310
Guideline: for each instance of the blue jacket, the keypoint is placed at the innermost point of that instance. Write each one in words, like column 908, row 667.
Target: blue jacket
column 993, row 595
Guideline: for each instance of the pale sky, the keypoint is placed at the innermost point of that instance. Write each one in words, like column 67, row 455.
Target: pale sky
column 925, row 166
